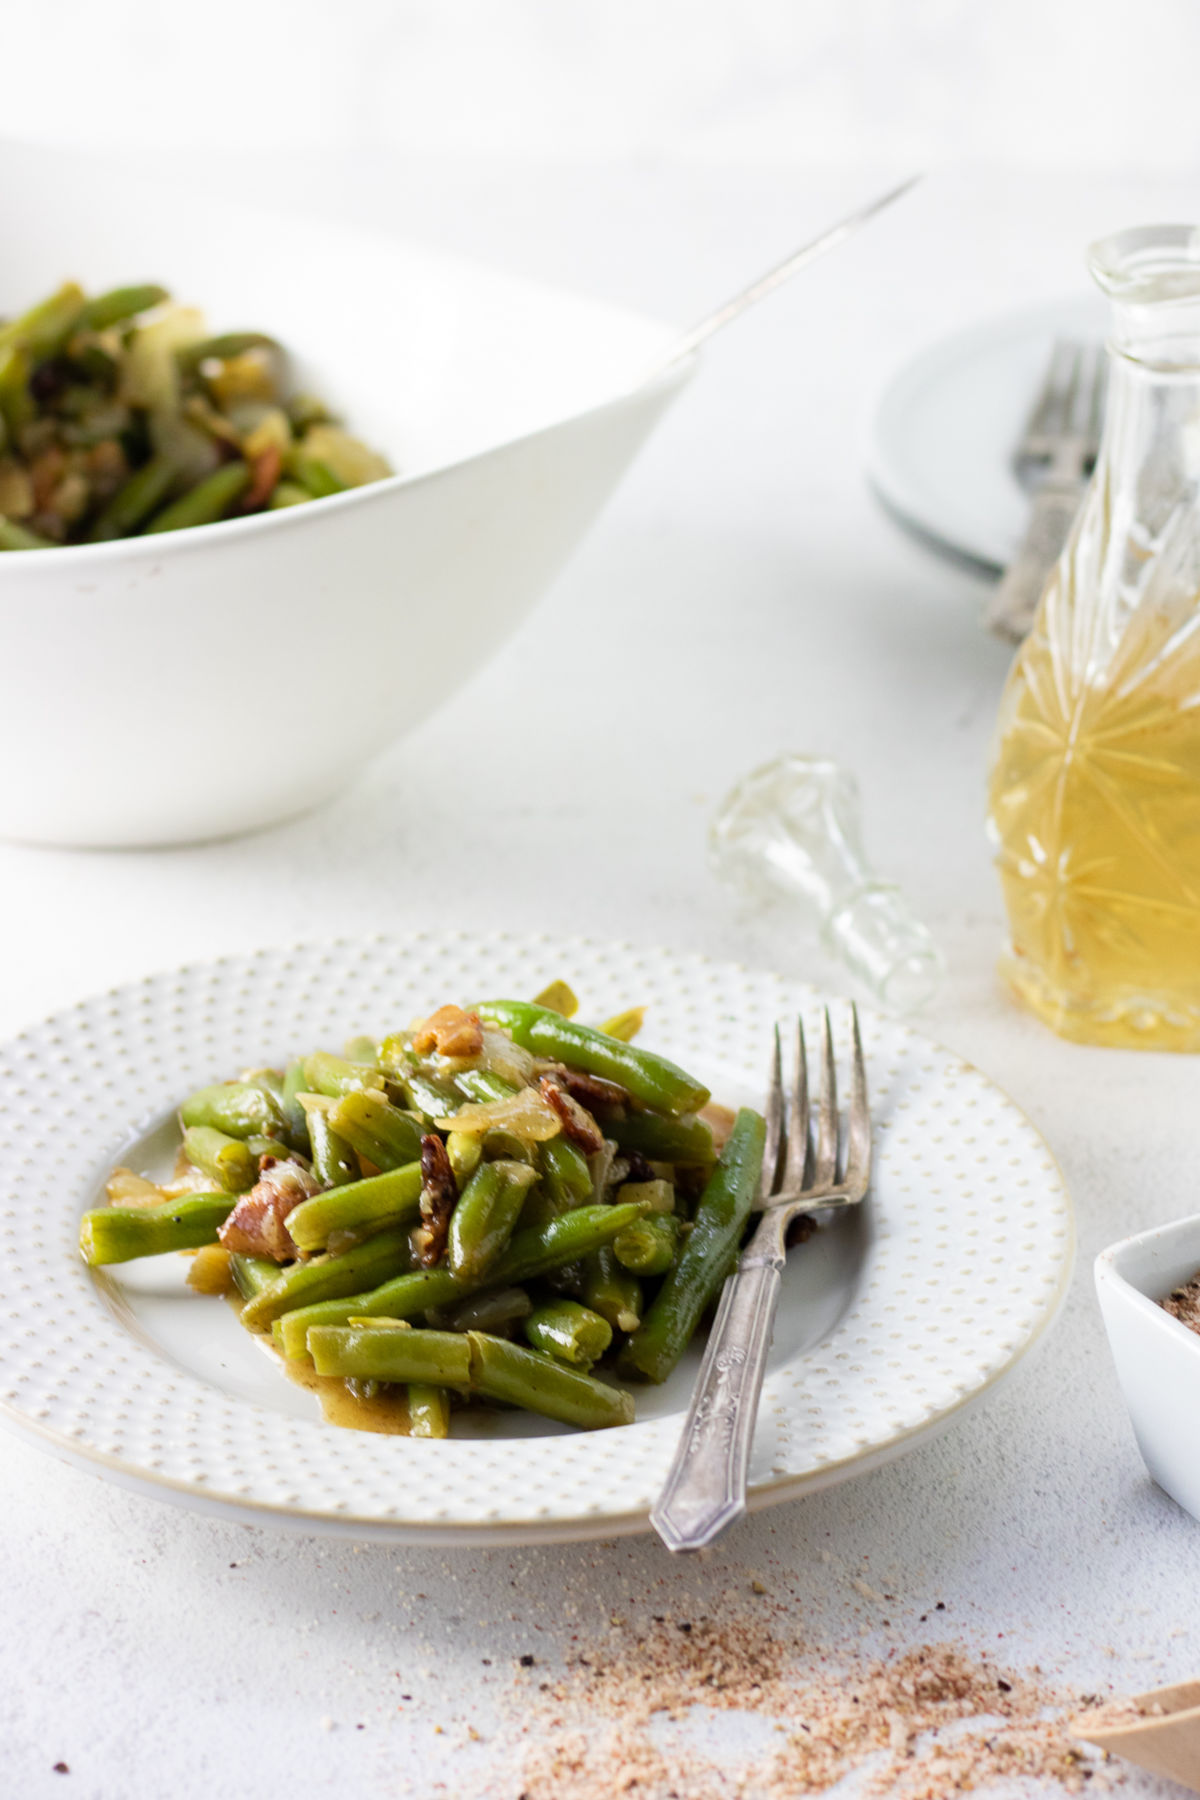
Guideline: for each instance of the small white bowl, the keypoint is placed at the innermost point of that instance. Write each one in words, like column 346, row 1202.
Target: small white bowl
column 1157, row 1358
column 158, row 690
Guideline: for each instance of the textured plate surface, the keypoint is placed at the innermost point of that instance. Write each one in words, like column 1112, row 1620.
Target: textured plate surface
column 892, row 1320
column 948, row 424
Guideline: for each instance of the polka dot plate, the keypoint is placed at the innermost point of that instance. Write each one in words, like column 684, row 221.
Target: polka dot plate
column 893, row 1320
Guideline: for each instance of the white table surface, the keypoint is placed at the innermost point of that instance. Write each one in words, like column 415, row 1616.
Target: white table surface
column 743, row 594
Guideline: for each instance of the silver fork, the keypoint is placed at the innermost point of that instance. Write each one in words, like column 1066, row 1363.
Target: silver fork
column 705, row 1490
column 1055, row 458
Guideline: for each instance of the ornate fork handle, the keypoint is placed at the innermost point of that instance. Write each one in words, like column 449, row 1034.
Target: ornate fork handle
column 706, row 1488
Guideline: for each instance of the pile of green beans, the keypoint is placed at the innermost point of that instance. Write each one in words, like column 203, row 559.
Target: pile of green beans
column 121, row 415
column 506, row 1221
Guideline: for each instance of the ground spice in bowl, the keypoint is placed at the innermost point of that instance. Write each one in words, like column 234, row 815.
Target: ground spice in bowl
column 1184, row 1303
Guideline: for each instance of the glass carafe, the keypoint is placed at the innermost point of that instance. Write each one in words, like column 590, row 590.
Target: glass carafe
column 1095, row 786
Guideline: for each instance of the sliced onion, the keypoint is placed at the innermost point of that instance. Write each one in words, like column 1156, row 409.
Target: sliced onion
column 525, row 1114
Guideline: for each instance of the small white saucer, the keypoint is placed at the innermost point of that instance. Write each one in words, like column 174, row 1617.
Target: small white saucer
column 944, row 434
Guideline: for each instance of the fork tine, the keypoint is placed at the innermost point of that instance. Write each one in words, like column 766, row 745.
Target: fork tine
column 774, row 1119
column 858, row 1157
column 797, row 1132
column 825, row 1172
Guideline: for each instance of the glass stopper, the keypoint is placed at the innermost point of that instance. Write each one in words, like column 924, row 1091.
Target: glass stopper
column 793, row 828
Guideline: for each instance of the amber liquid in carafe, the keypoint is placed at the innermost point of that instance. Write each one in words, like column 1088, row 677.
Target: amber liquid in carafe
column 1095, row 810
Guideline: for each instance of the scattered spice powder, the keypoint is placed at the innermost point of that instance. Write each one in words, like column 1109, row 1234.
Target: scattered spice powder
column 1184, row 1303
column 926, row 1723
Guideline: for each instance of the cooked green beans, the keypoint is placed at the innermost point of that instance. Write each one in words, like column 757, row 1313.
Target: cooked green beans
column 531, row 1253
column 120, row 416
column 207, row 502
column 649, row 1078
column 571, row 1332
column 113, row 1234
column 333, row 1160
column 428, row 1410
column 485, row 1217
column 375, row 1128
column 706, row 1257
column 373, row 1353
column 526, row 1378
column 358, row 1206
column 226, row 1160
column 238, row 1108
column 494, row 1205
column 329, row 1277
column 649, row 1246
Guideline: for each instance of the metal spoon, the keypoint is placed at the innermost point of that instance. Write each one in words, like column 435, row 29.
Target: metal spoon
column 766, row 284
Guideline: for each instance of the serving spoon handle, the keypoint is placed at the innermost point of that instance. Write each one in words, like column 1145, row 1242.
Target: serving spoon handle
column 774, row 278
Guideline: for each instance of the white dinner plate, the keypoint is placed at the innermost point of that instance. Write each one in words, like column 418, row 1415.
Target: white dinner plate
column 946, row 429
column 893, row 1320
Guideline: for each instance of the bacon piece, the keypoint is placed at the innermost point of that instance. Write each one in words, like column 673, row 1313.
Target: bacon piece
column 439, row 1195
column 266, row 469
column 592, row 1091
column 257, row 1225
column 451, row 1031
column 578, row 1126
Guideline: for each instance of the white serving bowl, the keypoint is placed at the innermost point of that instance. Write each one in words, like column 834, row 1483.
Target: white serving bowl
column 1157, row 1358
column 166, row 689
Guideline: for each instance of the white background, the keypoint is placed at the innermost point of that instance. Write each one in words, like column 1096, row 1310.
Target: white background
column 1084, row 83
column 742, row 594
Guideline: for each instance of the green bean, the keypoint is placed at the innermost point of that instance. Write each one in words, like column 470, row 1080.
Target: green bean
column 334, row 1162
column 571, row 1332
column 16, row 401
column 119, row 304
column 531, row 1253
column 394, row 1196
column 539, row 1384
column 361, row 1049
column 489, row 1311
column 483, row 1086
column 45, row 327
column 134, row 501
column 506, row 1146
column 565, row 1171
column 264, row 1146
column 224, row 348
column 372, row 1353
column 485, row 1217
column 611, row 1290
column 704, row 1261
column 19, row 537
column 113, row 1234
column 408, row 1295
column 238, row 1108
column 329, row 1277
column 428, row 1410
column 336, row 1076
column 312, row 474
column 251, row 1274
column 648, row 1077
column 207, row 502
column 226, row 1160
column 426, row 1096
column 378, row 1130
column 648, row 1246
column 465, row 1150
column 288, row 493
column 295, row 1119
column 684, row 1140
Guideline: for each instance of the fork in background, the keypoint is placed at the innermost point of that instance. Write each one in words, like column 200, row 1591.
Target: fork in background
column 705, row 1490
column 1055, row 458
